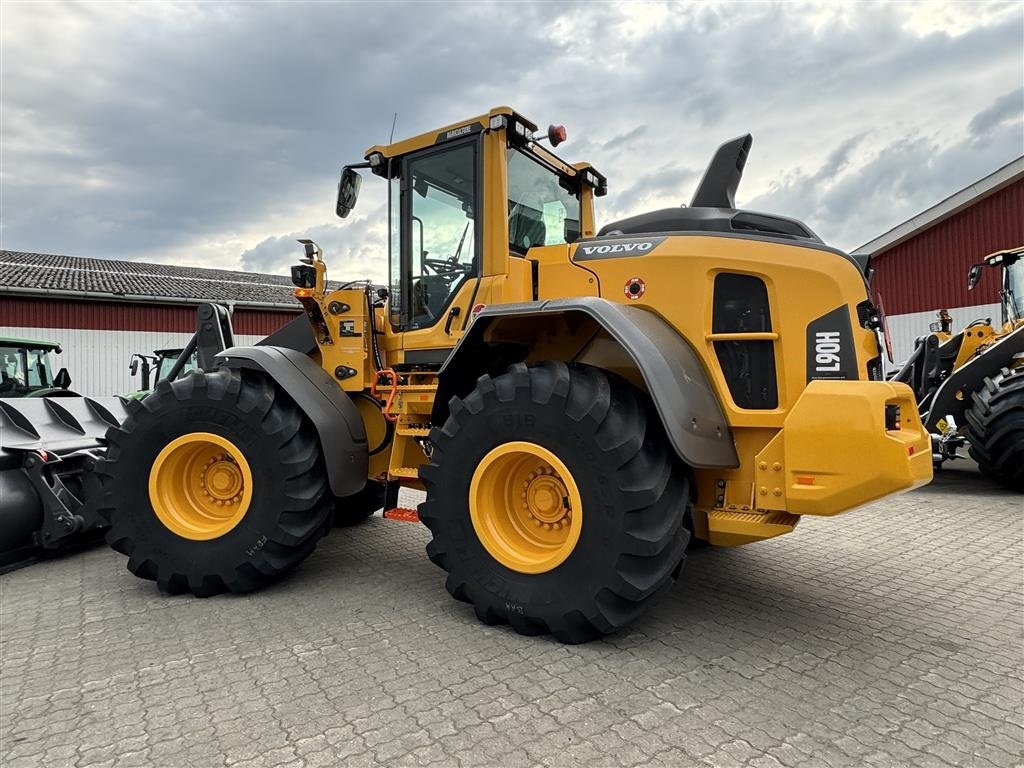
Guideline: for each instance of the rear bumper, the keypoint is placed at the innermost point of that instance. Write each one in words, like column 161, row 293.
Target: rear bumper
column 834, row 452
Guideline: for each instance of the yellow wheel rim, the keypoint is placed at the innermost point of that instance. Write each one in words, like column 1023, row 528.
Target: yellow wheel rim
column 525, row 507
column 200, row 486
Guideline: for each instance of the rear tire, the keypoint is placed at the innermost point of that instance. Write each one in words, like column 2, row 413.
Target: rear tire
column 289, row 509
column 995, row 428
column 634, row 497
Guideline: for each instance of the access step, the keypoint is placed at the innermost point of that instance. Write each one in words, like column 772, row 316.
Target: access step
column 402, row 514
column 412, row 473
column 728, row 529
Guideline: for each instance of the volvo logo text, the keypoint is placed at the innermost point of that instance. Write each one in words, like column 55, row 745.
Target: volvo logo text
column 643, row 247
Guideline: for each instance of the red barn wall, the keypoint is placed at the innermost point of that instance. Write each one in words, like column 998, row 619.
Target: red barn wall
column 31, row 312
column 928, row 272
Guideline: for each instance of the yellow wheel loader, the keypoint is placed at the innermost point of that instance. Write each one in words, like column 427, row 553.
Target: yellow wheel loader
column 970, row 385
column 577, row 403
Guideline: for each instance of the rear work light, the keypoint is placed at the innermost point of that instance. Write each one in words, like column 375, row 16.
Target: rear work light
column 892, row 417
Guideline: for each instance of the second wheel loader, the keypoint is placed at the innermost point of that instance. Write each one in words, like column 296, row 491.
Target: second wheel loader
column 578, row 403
column 970, row 384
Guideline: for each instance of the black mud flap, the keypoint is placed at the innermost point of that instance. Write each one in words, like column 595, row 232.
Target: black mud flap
column 332, row 412
column 671, row 371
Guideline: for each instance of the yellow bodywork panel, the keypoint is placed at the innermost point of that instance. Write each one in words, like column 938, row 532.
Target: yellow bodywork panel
column 341, row 326
column 975, row 337
column 835, row 453
column 802, row 283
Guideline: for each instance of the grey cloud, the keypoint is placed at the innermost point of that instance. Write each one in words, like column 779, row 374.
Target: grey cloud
column 353, row 249
column 625, row 138
column 1008, row 108
column 149, row 128
column 669, row 184
column 196, row 121
column 839, row 158
column 880, row 190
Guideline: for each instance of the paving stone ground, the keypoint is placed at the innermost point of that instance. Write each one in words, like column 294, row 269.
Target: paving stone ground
column 889, row 636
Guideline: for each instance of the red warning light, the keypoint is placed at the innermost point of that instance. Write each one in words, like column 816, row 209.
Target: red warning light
column 556, row 134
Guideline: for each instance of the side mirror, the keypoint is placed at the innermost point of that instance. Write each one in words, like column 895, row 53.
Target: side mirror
column 348, row 191
column 63, row 379
column 133, row 366
column 974, row 275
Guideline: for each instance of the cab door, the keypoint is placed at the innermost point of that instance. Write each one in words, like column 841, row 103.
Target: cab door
column 436, row 230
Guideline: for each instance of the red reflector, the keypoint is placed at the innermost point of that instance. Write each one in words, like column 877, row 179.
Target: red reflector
column 910, row 450
column 804, row 480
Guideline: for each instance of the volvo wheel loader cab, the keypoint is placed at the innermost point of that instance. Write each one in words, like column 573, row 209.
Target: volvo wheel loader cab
column 578, row 404
column 970, row 385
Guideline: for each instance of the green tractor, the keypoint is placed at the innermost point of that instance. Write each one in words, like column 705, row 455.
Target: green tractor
column 25, row 370
column 157, row 367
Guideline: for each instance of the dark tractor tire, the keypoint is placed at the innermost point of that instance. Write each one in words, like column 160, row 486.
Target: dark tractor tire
column 354, row 509
column 633, row 495
column 995, row 428
column 695, row 542
column 288, row 508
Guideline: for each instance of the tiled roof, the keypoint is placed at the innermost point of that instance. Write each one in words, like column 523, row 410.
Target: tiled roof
column 133, row 279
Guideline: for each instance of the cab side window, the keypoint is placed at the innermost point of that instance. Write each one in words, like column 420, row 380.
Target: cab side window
column 540, row 210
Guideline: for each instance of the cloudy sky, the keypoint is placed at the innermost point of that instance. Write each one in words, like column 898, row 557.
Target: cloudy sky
column 212, row 133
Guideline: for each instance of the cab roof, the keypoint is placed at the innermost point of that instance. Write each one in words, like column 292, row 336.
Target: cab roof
column 10, row 341
column 469, row 126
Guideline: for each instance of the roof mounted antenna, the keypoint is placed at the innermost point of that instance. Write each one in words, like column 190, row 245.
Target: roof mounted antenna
column 717, row 189
column 394, row 122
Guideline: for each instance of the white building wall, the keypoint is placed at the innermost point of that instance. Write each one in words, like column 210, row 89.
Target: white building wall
column 98, row 360
column 905, row 329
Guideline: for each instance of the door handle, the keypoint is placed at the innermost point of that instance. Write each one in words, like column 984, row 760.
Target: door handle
column 452, row 314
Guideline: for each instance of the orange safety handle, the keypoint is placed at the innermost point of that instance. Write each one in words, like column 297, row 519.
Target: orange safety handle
column 386, row 410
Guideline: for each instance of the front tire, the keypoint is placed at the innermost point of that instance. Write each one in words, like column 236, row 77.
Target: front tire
column 530, row 436
column 995, row 428
column 214, row 483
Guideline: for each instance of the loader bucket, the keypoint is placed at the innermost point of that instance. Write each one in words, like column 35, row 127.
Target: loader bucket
column 48, row 450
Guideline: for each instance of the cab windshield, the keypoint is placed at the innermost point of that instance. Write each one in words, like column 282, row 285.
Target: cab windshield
column 24, row 368
column 541, row 211
column 1013, row 290
column 167, row 361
